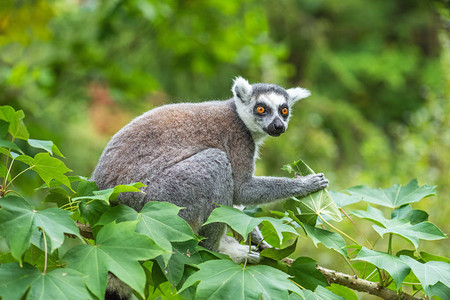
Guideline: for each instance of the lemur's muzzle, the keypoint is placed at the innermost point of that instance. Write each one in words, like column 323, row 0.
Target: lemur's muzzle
column 276, row 128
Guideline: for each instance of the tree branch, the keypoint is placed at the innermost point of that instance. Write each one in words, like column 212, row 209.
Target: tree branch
column 359, row 284
column 331, row 276
column 85, row 231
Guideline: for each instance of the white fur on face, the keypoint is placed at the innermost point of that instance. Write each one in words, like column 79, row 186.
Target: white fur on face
column 256, row 125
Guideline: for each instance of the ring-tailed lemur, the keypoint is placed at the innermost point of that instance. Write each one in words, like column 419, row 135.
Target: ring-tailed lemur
column 197, row 155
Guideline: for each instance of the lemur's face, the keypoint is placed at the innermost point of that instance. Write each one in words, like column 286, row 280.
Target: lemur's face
column 270, row 113
column 265, row 108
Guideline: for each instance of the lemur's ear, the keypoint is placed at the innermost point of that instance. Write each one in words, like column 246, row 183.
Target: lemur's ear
column 296, row 94
column 242, row 89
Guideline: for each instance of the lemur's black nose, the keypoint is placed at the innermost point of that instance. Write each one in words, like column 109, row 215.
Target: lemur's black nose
column 276, row 127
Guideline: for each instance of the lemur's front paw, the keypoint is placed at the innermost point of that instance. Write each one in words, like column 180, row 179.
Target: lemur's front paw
column 315, row 182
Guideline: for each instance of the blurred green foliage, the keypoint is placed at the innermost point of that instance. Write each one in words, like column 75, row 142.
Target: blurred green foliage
column 379, row 72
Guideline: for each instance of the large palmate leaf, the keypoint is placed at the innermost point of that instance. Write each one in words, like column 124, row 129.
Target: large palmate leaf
column 62, row 283
column 306, row 274
column 157, row 220
column 18, row 221
column 329, row 239
column 429, row 273
column 315, row 204
column 47, row 167
column 244, row 224
column 118, row 250
column 392, row 264
column 223, row 279
column 396, row 195
column 401, row 227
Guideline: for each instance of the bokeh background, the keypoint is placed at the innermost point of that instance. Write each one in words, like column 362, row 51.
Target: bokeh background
column 379, row 73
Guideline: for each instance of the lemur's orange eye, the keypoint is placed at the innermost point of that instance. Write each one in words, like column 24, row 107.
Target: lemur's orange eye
column 260, row 110
column 284, row 111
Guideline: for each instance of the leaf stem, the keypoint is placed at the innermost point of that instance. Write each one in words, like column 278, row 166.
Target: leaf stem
column 45, row 252
column 29, row 168
column 380, row 275
column 390, row 244
column 69, row 204
column 356, row 227
column 411, row 283
column 338, row 230
column 8, row 171
column 350, row 265
column 296, row 284
column 371, row 274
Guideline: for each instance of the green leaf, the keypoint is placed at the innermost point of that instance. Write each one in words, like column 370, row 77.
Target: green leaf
column 55, row 183
column 320, row 293
column 306, row 274
column 236, row 219
column 343, row 199
column 57, row 195
column 273, row 229
column 414, row 216
column 16, row 280
column 18, row 221
column 157, row 220
column 277, row 254
column 394, row 196
column 343, row 291
column 401, row 227
column 118, row 250
column 61, row 283
column 48, row 146
column 372, row 214
column 3, row 128
column 10, row 145
column 329, row 239
column 392, row 264
column 430, row 257
column 112, row 193
column 244, row 224
column 185, row 253
column 16, row 126
column 429, row 273
column 47, row 167
column 439, row 289
column 91, row 211
column 223, row 279
column 315, row 204
column 55, row 222
column 86, row 187
column 413, row 233
column 3, row 171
